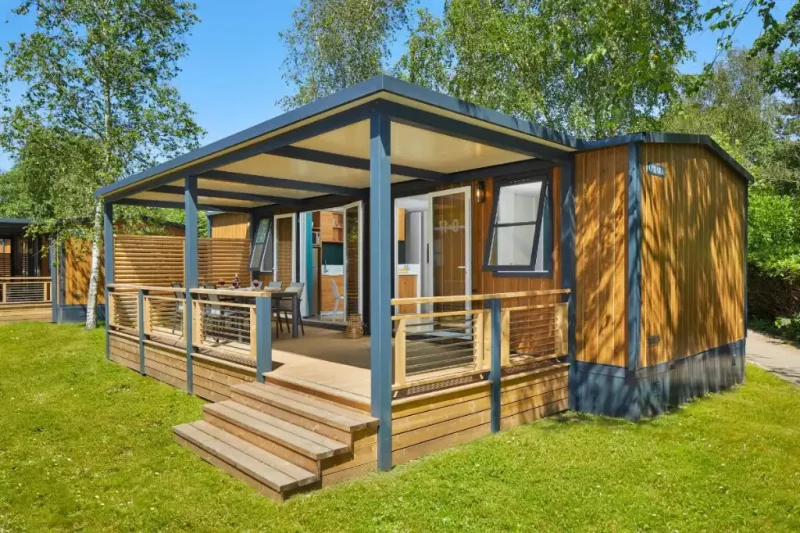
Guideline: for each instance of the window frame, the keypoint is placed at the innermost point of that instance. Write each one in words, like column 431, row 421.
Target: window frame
column 544, row 226
column 266, row 246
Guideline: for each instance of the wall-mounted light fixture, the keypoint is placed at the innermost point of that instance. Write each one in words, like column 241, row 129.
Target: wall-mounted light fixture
column 480, row 192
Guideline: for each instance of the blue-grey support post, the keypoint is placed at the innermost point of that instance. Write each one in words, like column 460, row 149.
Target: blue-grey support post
column 108, row 261
column 190, row 270
column 380, row 212
column 263, row 336
column 140, row 299
column 634, row 255
column 496, row 363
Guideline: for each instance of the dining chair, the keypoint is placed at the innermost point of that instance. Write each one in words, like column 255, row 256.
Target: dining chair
column 337, row 298
column 285, row 304
column 276, row 307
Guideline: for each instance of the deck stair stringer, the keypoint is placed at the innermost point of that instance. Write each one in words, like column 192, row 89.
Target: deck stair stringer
column 280, row 440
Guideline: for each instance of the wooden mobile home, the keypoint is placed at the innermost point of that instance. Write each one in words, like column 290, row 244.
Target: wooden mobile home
column 501, row 272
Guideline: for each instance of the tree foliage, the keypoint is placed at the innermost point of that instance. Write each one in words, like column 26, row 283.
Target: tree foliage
column 333, row 44
column 593, row 68
column 96, row 76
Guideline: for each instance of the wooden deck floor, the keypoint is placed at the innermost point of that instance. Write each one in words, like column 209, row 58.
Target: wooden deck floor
column 325, row 357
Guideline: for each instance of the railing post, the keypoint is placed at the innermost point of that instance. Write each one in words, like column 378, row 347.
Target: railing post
column 496, row 366
column 5, row 292
column 197, row 323
column 263, row 340
column 400, row 353
column 140, row 314
column 108, row 264
column 477, row 340
column 190, row 271
column 505, row 338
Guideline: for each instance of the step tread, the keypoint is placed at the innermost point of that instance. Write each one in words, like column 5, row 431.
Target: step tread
column 295, row 437
column 303, row 476
column 311, row 407
column 264, row 473
column 278, row 379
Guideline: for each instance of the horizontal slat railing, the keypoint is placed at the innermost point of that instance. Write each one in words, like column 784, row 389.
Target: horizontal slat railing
column 439, row 348
column 230, row 325
column 24, row 290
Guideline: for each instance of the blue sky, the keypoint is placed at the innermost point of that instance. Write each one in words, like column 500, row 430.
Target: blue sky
column 232, row 76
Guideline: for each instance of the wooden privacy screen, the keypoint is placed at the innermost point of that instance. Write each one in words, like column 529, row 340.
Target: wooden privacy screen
column 158, row 260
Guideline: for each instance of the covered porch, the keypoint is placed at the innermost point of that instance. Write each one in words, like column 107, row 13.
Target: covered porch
column 481, row 342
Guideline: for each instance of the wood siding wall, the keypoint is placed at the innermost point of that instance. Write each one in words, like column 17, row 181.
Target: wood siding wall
column 158, row 260
column 230, row 226
column 693, row 253
column 78, row 265
column 601, row 200
column 284, row 249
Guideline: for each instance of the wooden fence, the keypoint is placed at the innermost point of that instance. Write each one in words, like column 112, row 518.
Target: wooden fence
column 157, row 260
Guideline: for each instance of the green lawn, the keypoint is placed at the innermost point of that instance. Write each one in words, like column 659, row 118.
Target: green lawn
column 87, row 445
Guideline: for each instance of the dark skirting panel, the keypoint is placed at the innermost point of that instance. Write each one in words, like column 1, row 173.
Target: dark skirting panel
column 616, row 391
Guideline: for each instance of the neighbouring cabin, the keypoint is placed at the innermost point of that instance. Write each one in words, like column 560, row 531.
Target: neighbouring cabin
column 25, row 283
column 37, row 285
column 424, row 272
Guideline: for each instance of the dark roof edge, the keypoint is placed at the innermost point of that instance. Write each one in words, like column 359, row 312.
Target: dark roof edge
column 19, row 221
column 654, row 137
column 361, row 90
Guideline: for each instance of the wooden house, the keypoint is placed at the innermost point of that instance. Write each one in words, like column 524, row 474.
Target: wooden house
column 502, row 272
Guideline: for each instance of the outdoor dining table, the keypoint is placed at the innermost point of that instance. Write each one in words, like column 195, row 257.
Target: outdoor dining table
column 280, row 295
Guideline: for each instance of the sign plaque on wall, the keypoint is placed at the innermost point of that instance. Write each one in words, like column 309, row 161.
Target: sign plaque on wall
column 656, row 170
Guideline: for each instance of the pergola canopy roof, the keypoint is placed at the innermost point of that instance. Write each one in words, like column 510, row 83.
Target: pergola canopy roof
column 321, row 151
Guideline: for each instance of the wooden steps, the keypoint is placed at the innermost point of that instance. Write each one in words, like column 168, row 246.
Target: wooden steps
column 349, row 399
column 278, row 440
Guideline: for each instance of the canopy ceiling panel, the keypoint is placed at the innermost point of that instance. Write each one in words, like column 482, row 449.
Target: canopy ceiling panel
column 233, row 186
column 204, row 200
column 300, row 170
column 414, row 147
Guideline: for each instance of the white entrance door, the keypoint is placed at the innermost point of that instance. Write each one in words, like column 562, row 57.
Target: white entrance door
column 450, row 239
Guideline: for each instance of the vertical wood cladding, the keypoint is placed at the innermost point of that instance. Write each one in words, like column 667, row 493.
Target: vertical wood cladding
column 601, row 255
column 230, row 226
column 78, row 267
column 693, row 225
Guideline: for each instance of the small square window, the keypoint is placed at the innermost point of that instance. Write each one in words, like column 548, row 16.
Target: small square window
column 520, row 234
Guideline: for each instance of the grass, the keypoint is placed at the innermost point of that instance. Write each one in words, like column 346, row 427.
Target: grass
column 87, row 445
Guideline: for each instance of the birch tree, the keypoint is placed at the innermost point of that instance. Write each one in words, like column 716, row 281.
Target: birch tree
column 100, row 73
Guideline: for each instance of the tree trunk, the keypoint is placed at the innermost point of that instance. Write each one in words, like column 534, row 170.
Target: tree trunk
column 94, row 277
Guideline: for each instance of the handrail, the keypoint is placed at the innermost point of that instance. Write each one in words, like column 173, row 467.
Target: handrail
column 15, row 279
column 235, row 293
column 477, row 297
column 133, row 286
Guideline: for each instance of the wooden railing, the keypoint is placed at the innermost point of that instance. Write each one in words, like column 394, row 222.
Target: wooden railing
column 232, row 325
column 454, row 342
column 24, row 290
